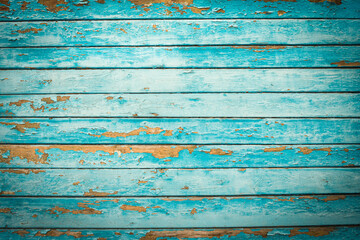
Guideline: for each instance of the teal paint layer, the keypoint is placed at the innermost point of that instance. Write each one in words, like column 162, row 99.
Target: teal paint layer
column 182, row 105
column 130, row 9
column 181, row 57
column 178, row 182
column 188, row 212
column 178, row 32
column 178, row 80
column 181, row 131
column 296, row 233
column 177, row 156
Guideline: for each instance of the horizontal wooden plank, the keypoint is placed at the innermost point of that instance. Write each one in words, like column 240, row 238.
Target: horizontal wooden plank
column 181, row 57
column 179, row 212
column 182, row 131
column 178, row 182
column 94, row 9
column 177, row 156
column 175, row 32
column 304, row 233
column 178, row 80
column 183, row 105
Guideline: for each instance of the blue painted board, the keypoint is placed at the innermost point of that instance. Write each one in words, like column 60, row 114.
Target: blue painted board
column 186, row 212
column 178, row 32
column 181, row 57
column 182, row 105
column 180, row 131
column 177, row 156
column 178, row 80
column 161, row 9
column 296, row 233
column 178, row 182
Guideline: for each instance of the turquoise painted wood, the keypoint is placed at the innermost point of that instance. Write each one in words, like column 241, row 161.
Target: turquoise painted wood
column 177, row 156
column 178, row 182
column 180, row 131
column 178, row 32
column 187, row 212
column 181, row 57
column 162, row 9
column 182, row 105
column 178, row 80
column 297, row 233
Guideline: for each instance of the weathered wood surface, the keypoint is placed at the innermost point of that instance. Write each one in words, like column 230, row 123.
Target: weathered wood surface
column 181, row 57
column 178, row 80
column 178, row 156
column 178, row 182
column 296, row 233
column 161, row 9
column 187, row 212
column 183, row 105
column 181, row 131
column 175, row 32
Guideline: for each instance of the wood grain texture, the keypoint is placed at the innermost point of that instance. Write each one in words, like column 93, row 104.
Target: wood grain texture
column 181, row 131
column 178, row 80
column 182, row 105
column 296, row 233
column 178, row 32
column 177, row 156
column 181, row 57
column 187, row 212
column 178, row 182
column 130, row 9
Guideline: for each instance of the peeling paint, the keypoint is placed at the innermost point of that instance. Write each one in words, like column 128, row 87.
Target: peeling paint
column 34, row 30
column 57, row 233
column 21, row 232
column 275, row 149
column 147, row 130
column 306, row 150
column 218, row 233
column 86, row 209
column 52, row 5
column 133, row 208
column 22, row 171
column 346, row 64
column 5, row 210
column 98, row 194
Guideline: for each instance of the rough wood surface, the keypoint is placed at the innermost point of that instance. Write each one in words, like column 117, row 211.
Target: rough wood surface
column 303, row 233
column 182, row 105
column 181, row 57
column 183, row 212
column 178, row 32
column 177, row 156
column 180, row 131
column 178, row 80
column 165, row 9
column 178, row 182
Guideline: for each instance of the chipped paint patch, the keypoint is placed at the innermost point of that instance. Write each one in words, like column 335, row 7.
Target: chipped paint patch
column 217, row 233
column 57, row 233
column 22, row 171
column 133, row 208
column 21, row 232
column 86, row 209
column 218, row 151
column 275, row 149
column 306, row 150
column 136, row 132
column 98, row 194
column 34, row 30
column 346, row 64
column 5, row 210
column 52, row 5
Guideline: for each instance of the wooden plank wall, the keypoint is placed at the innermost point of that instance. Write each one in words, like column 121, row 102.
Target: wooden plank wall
column 179, row 119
